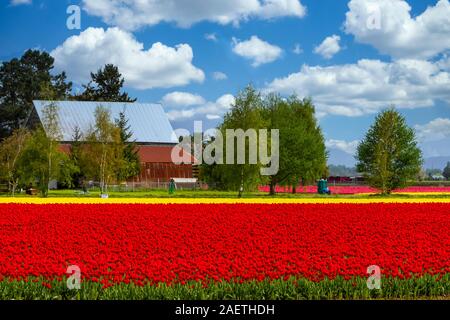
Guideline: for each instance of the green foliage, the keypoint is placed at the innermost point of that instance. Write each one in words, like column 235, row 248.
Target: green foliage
column 105, row 85
column 74, row 156
column 424, row 287
column 245, row 114
column 100, row 156
column 11, row 151
column 302, row 153
column 131, row 162
column 21, row 82
column 446, row 172
column 389, row 156
column 41, row 162
column 302, row 145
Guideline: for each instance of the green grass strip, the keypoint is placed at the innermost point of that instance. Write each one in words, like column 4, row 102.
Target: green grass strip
column 425, row 287
column 222, row 194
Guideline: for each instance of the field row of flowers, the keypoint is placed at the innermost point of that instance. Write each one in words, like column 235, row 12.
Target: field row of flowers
column 359, row 189
column 211, row 201
column 119, row 243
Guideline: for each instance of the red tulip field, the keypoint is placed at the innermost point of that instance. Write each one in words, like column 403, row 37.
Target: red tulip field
column 293, row 251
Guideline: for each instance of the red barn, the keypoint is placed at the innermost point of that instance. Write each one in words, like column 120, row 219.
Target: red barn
column 151, row 130
column 157, row 164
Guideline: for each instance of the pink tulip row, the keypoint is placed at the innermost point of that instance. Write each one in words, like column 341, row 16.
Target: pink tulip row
column 355, row 189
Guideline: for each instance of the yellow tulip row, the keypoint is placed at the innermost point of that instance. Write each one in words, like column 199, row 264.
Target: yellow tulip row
column 69, row 200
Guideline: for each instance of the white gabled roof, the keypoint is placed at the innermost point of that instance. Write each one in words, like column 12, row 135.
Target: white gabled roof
column 148, row 122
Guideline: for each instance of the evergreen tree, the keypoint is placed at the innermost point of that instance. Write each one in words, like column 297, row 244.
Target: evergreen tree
column 446, row 172
column 105, row 85
column 131, row 164
column 21, row 82
column 75, row 157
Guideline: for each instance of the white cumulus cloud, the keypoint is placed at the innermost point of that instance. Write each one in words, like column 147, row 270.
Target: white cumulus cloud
column 346, row 146
column 211, row 110
column 368, row 86
column 388, row 26
column 182, row 99
column 329, row 47
column 257, row 50
column 160, row 66
column 211, row 37
column 134, row 14
column 219, row 76
column 434, row 130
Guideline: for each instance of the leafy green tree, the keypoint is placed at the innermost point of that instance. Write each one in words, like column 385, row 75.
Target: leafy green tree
column 388, row 155
column 302, row 147
column 11, row 151
column 42, row 161
column 131, row 162
column 105, row 85
column 101, row 154
column 21, row 82
column 34, row 164
column 313, row 160
column 245, row 114
column 446, row 172
column 74, row 156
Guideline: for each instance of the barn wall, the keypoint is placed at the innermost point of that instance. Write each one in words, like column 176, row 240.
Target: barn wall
column 163, row 171
column 156, row 164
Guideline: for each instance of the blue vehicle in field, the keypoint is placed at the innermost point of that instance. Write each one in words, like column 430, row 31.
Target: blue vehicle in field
column 322, row 187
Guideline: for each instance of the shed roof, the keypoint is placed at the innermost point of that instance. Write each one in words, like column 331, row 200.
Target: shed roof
column 149, row 123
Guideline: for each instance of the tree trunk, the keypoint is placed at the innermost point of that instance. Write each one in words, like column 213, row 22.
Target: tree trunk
column 303, row 186
column 43, row 186
column 273, row 185
column 14, row 187
column 241, row 187
column 50, row 164
column 294, row 189
column 103, row 171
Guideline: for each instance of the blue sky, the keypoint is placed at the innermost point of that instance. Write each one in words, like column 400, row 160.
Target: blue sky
column 353, row 57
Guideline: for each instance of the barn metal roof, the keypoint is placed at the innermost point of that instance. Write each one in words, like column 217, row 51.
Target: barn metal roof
column 148, row 122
